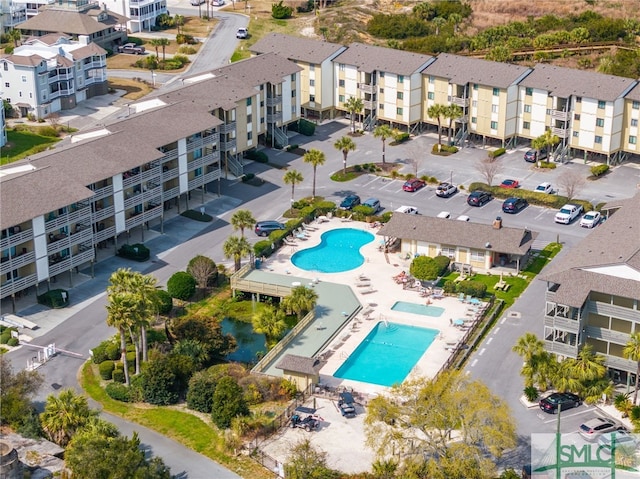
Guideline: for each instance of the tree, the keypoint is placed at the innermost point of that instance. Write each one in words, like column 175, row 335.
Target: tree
column 164, row 43
column 292, row 177
column 632, row 351
column 54, row 120
column 228, row 402
column 120, row 315
column 315, row 158
column 345, row 144
column 455, row 19
column 547, row 140
column 241, row 220
column 237, row 248
column 489, row 168
column 155, row 42
column 16, row 393
column 306, row 462
column 437, row 112
column 300, row 301
column 64, row 415
column 438, row 22
column 179, row 21
column 203, row 269
column 181, row 285
column 589, row 366
column 422, row 414
column 15, row 36
column 452, row 112
column 270, row 321
column 530, row 348
column 383, row 132
column 354, row 106
column 208, row 331
column 165, row 378
column 194, row 350
column 571, row 182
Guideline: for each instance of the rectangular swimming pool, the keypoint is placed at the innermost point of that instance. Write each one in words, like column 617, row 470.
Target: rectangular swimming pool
column 388, row 354
column 416, row 308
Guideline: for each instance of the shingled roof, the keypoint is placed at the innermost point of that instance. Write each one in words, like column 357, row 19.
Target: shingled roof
column 370, row 58
column 296, row 48
column 299, row 364
column 515, row 241
column 72, row 22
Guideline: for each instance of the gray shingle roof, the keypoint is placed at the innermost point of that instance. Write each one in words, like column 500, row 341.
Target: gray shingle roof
column 370, row 58
column 634, row 94
column 507, row 240
column 296, row 48
column 299, row 364
column 564, row 82
column 50, row 20
column 462, row 70
column 31, row 60
column 258, row 70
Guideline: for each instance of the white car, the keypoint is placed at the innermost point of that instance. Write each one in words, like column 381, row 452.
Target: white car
column 242, row 33
column 568, row 213
column 544, row 188
column 444, row 190
column 590, row 219
column 409, row 210
column 444, row 214
column 463, row 218
column 217, row 3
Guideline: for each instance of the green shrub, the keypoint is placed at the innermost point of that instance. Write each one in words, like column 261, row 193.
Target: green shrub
column 262, row 248
column 46, row 131
column 546, row 165
column 357, row 168
column 13, row 342
column 156, row 336
column 200, row 393
column 131, row 359
column 182, row 59
column 5, row 336
column 280, row 11
column 599, row 170
column 305, row 127
column 106, row 350
column 443, row 264
column 54, row 298
column 256, row 155
column 363, row 211
column 136, row 252
column 181, row 285
column 164, row 301
column 228, row 402
column 440, row 149
column 118, row 391
column 473, row 288
column 497, row 153
column 187, row 50
column 197, row 216
column 136, row 40
column 449, row 287
column 118, row 375
column 424, row 268
column 400, row 137
column 105, row 369
column 247, row 177
column 182, row 38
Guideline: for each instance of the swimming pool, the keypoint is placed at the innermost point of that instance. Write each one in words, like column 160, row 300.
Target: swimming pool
column 387, row 355
column 338, row 251
column 416, row 308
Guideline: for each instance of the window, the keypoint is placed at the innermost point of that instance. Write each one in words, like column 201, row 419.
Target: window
column 496, row 91
column 380, row 106
column 431, row 95
column 262, row 120
column 249, row 135
column 600, row 122
column 341, row 67
column 432, row 80
column 341, row 98
column 20, row 94
column 576, row 116
column 528, row 91
column 249, row 118
column 398, row 111
column 293, row 93
column 293, row 77
column 578, row 99
column 474, row 119
column 249, row 101
column 601, row 104
column 24, row 79
column 400, row 95
column 475, row 86
column 400, row 78
column 598, row 139
column 312, row 67
column 6, row 66
column 312, row 98
column 6, row 85
column 382, row 91
column 495, row 108
column 381, row 74
column 526, row 125
column 633, row 140
column 449, row 252
column 575, row 134
column 634, row 122
column 341, row 83
column 527, row 108
column 312, row 83
column 477, row 256
column 494, row 125
column 635, row 105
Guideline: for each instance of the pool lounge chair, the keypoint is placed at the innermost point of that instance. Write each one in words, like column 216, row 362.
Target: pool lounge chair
column 461, row 297
column 368, row 291
column 363, row 284
column 309, row 227
column 347, row 219
column 438, row 293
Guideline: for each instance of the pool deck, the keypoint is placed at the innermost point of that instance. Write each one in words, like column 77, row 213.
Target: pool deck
column 338, row 292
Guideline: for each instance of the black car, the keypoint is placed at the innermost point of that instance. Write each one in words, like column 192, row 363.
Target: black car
column 514, row 205
column 478, row 198
column 265, row 228
column 346, row 405
column 567, row 400
column 350, row 202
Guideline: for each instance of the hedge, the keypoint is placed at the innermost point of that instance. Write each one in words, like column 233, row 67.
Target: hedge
column 181, row 285
column 118, row 391
column 533, row 197
column 256, row 155
column 401, row 137
column 118, row 375
column 439, row 149
column 599, row 170
column 472, row 288
column 497, row 153
column 106, row 350
column 136, row 252
column 56, row 298
column 106, row 369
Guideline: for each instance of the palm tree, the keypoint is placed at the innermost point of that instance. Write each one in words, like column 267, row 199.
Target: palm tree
column 179, row 21
column 236, row 247
column 354, row 106
column 528, row 346
column 120, row 315
column 548, row 140
column 64, row 415
column 242, row 219
column 300, row 301
column 383, row 132
column 144, row 290
column 292, row 177
column 589, row 366
column 315, row 158
column 15, row 35
column 345, row 144
column 164, row 43
column 632, row 351
column 437, row 111
column 270, row 321
column 452, row 112
column 438, row 22
column 564, row 378
column 455, row 19
column 155, row 42
column 194, row 349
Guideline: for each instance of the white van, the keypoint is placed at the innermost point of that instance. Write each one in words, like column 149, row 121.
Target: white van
column 409, row 210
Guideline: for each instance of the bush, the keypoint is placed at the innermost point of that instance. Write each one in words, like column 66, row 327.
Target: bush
column 256, row 155
column 182, row 38
column 106, row 350
column 181, row 59
column 497, row 153
column 200, row 393
column 118, row 375
column 181, row 285
column 56, row 298
column 136, row 252
column 118, row 391
column 5, row 336
column 449, row 287
column 247, row 177
column 262, row 248
column 197, row 216
column 472, row 288
column 280, row 11
column 599, row 170
column 105, row 369
column 440, row 149
column 164, row 301
column 546, row 165
column 424, row 268
column 13, row 342
column 443, row 264
column 187, row 50
column 228, row 402
column 400, row 137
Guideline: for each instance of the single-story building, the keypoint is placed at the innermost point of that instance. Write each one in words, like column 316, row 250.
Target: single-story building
column 477, row 245
column 300, row 370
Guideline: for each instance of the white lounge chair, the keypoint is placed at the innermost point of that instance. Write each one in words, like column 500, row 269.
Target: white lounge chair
column 369, row 291
column 362, row 284
column 347, row 219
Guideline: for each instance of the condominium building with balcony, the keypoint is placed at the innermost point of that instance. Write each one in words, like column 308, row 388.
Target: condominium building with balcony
column 388, row 81
column 315, row 58
column 593, row 292
column 52, row 73
column 486, row 92
column 631, row 118
column 12, row 14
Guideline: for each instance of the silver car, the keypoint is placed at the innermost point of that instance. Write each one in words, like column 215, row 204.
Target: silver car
column 596, row 427
column 372, row 203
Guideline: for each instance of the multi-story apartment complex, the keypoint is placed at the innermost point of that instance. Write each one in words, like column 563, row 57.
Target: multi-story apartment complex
column 59, row 207
column 12, row 13
column 593, row 292
column 52, row 73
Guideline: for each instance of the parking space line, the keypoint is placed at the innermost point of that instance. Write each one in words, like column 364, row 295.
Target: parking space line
column 564, row 415
column 489, row 341
column 481, row 352
column 390, row 183
column 375, row 179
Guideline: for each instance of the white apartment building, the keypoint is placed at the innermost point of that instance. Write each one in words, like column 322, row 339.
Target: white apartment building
column 142, row 14
column 12, row 13
column 52, row 73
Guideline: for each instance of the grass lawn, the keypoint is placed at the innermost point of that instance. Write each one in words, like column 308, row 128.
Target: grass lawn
column 21, row 144
column 134, row 89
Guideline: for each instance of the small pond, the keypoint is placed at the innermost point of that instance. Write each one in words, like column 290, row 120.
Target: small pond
column 249, row 342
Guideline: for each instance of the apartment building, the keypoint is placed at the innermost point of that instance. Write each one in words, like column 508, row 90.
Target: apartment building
column 584, row 109
column 631, row 117
column 593, row 292
column 315, row 58
column 58, row 208
column 486, row 91
column 12, row 14
column 52, row 73
column 388, row 82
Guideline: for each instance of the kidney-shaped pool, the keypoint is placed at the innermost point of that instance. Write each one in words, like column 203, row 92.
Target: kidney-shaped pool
column 338, row 251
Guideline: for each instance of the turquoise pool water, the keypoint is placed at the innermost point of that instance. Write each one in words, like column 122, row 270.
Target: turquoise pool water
column 338, row 251
column 416, row 308
column 387, row 355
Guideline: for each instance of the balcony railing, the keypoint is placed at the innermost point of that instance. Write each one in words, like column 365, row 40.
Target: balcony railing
column 171, row 193
column 18, row 284
column 133, row 200
column 562, row 323
column 170, row 173
column 456, row 100
column 620, row 312
column 368, row 105
column 274, row 117
column 105, row 234
column 366, row 88
column 615, row 362
column 62, row 92
column 607, row 335
column 9, row 264
column 102, row 192
column 104, row 213
column 560, row 115
column 60, row 266
column 227, row 127
column 66, row 219
column 195, row 164
column 274, row 100
column 170, row 155
column 561, row 348
column 16, row 238
column 228, row 145
column 560, row 132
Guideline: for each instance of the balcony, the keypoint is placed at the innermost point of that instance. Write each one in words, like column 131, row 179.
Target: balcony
column 561, row 348
column 57, row 266
column 62, row 92
column 560, row 132
column 9, row 264
column 104, row 213
column 104, row 234
column 54, row 223
column 368, row 105
column 60, row 77
column 102, row 192
column 274, row 117
column 171, row 193
column 228, row 145
column 16, row 238
column 133, row 200
column 366, row 88
column 607, row 335
column 204, row 179
column 227, row 128
column 17, row 284
column 562, row 323
column 169, row 173
column 461, row 102
column 138, row 219
column 195, row 164
column 274, row 100
column 560, row 115
column 620, row 312
column 169, row 155
column 621, row 363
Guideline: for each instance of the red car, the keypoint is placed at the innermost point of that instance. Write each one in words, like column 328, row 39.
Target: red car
column 414, row 184
column 510, row 184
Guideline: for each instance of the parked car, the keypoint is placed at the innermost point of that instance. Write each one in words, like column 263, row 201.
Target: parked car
column 514, row 205
column 409, row 210
column 594, row 428
column 566, row 401
column 309, row 423
column 195, row 3
column 444, row 214
column 478, row 198
column 349, row 202
column 568, row 213
column 265, row 228
column 346, row 404
column 590, row 219
column 372, row 203
column 217, row 3
column 414, row 184
column 463, row 218
column 623, row 440
column 242, row 33
column 510, row 184
column 533, row 155
column 544, row 188
column 444, row 190
column 131, row 48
